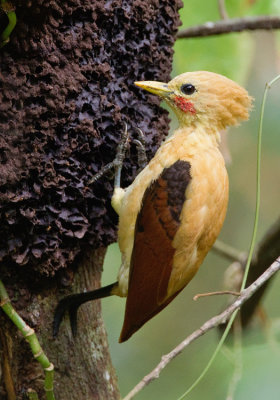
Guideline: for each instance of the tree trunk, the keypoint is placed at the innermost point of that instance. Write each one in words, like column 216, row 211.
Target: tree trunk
column 82, row 365
column 66, row 88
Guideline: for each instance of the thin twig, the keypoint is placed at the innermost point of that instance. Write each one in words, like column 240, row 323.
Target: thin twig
column 208, row 325
column 221, row 292
column 230, row 25
column 222, row 9
column 31, row 338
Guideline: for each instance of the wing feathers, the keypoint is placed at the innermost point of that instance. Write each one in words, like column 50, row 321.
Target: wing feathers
column 152, row 256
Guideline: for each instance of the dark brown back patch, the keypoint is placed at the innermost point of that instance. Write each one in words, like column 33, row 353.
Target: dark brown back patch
column 177, row 177
column 152, row 256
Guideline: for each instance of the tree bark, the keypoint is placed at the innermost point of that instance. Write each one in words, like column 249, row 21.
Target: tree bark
column 83, row 367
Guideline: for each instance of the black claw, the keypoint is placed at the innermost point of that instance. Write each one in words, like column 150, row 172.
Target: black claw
column 141, row 150
column 117, row 162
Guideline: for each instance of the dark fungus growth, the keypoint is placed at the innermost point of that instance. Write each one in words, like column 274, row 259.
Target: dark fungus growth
column 66, row 87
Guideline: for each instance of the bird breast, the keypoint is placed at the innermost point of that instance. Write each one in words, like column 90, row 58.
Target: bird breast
column 203, row 211
column 202, row 217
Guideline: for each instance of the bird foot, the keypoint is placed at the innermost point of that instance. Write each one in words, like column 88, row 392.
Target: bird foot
column 117, row 162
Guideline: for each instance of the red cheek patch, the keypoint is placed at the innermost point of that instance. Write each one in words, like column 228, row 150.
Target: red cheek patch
column 184, row 105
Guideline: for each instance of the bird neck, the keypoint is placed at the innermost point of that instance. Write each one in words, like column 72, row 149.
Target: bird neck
column 197, row 135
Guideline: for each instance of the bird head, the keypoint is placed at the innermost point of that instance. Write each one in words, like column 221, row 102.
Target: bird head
column 203, row 97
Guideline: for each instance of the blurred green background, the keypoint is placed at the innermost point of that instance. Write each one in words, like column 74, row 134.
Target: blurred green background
column 251, row 59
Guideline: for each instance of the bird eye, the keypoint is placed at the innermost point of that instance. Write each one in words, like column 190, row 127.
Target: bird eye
column 188, row 88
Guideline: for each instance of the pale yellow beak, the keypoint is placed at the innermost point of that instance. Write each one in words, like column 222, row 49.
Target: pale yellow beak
column 159, row 88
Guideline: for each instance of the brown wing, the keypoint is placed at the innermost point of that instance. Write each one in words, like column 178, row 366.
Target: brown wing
column 152, row 256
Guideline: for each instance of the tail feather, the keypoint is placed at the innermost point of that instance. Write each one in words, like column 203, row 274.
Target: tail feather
column 73, row 302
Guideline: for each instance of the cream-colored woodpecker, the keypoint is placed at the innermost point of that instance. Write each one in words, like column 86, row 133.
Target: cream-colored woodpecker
column 172, row 213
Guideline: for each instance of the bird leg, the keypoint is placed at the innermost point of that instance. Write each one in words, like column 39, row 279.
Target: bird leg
column 9, row 10
column 142, row 161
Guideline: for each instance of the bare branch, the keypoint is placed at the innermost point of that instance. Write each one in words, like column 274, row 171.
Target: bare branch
column 229, row 26
column 208, row 325
column 267, row 250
